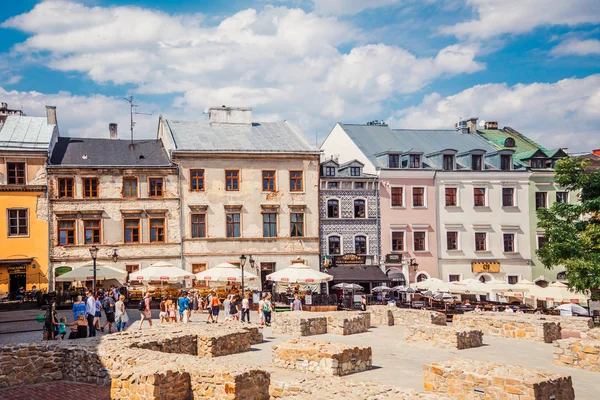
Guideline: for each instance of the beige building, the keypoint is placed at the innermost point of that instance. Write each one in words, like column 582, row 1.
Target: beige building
column 247, row 188
column 119, row 195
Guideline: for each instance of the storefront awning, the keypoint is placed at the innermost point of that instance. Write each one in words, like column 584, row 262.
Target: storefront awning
column 357, row 273
column 16, row 261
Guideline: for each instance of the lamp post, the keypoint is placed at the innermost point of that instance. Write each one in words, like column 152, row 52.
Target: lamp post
column 94, row 254
column 242, row 263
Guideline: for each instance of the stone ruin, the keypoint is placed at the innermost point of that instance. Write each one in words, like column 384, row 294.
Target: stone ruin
column 510, row 326
column 578, row 353
column 386, row 315
column 443, row 336
column 306, row 323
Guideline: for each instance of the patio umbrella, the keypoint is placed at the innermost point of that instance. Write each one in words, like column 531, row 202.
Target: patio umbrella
column 433, row 284
column 348, row 287
column 86, row 273
column 380, row 289
column 400, row 288
column 559, row 293
column 573, row 309
column 443, row 296
column 162, row 271
column 225, row 272
column 299, row 273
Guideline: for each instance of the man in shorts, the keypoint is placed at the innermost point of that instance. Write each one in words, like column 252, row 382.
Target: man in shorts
column 164, row 316
column 145, row 314
column 214, row 308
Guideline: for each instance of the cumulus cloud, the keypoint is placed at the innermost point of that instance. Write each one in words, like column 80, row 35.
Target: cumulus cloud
column 577, row 47
column 349, row 7
column 560, row 114
column 517, row 16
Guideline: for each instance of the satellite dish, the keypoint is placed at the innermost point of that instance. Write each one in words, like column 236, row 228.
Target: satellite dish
column 482, row 123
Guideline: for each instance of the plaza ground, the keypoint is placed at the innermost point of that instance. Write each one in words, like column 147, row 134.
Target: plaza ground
column 394, row 362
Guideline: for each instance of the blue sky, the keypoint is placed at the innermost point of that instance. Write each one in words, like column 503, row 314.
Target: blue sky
column 533, row 65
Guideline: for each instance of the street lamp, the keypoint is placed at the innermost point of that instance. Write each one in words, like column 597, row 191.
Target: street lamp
column 115, row 256
column 242, row 263
column 94, row 254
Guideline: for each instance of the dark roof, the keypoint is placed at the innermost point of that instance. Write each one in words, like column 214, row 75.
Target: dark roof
column 109, row 152
column 594, row 162
column 357, row 273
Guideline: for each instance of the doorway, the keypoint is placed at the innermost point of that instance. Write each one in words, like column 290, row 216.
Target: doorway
column 16, row 281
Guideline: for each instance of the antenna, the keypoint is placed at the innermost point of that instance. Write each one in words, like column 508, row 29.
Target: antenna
column 132, row 112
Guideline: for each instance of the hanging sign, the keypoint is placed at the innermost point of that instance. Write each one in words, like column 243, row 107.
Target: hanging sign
column 17, row 269
column 492, row 267
column 349, row 259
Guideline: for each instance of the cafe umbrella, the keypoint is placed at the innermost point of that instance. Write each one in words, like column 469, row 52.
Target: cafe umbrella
column 163, row 272
column 225, row 272
column 298, row 272
column 85, row 273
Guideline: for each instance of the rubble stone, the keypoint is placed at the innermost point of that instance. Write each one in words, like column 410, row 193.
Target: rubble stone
column 578, row 353
column 348, row 322
column 443, row 336
column 522, row 327
column 299, row 323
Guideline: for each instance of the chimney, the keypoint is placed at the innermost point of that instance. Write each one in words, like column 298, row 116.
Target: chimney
column 491, row 125
column 51, row 115
column 472, row 124
column 4, row 106
column 230, row 115
column 596, row 152
column 112, row 130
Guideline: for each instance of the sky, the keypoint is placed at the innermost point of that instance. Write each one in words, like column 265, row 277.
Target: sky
column 533, row 65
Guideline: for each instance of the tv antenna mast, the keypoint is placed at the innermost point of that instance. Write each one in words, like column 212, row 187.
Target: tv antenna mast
column 133, row 111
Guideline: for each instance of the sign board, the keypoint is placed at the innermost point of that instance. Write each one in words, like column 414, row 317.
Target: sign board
column 58, row 271
column 308, row 300
column 562, row 276
column 349, row 259
column 393, row 258
column 492, row 267
column 17, row 269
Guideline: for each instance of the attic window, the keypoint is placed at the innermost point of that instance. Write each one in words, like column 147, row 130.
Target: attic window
column 509, row 142
column 142, row 157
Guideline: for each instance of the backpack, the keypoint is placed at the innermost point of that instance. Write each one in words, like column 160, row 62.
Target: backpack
column 142, row 305
column 107, row 303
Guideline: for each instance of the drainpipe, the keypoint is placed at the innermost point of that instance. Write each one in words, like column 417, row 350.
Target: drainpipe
column 378, row 227
column 49, row 267
column 180, row 212
column 436, row 190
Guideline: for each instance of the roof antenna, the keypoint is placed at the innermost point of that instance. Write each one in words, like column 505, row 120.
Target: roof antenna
column 132, row 111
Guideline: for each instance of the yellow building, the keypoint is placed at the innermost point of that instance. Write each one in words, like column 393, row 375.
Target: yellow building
column 25, row 143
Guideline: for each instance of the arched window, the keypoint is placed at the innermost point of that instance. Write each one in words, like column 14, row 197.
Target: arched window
column 359, row 209
column 482, row 279
column 333, row 209
column 509, row 142
column 360, row 245
column 334, row 245
column 421, row 277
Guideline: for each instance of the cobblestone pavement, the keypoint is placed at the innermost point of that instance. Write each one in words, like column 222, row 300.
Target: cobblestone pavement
column 56, row 391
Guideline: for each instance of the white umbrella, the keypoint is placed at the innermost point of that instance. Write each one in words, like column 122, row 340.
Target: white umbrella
column 381, row 289
column 432, row 284
column 558, row 292
column 299, row 273
column 400, row 288
column 225, row 272
column 86, row 273
column 573, row 309
column 162, row 271
column 348, row 286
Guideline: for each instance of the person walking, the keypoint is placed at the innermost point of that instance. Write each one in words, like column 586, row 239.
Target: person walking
column 98, row 314
column 121, row 317
column 234, row 314
column 214, row 306
column 145, row 312
column 108, row 304
column 90, row 313
column 268, row 309
column 195, row 303
column 78, row 308
column 261, row 314
column 163, row 316
column 246, row 308
column 296, row 304
column 227, row 307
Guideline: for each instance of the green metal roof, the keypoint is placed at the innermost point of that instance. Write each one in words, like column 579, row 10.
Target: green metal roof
column 524, row 147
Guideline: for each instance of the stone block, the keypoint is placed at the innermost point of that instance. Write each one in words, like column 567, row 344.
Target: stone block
column 511, row 326
column 578, row 353
column 299, row 323
column 407, row 316
column 381, row 315
column 348, row 322
column 443, row 336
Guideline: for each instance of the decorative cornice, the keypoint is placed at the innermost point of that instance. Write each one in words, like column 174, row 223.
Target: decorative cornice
column 23, row 188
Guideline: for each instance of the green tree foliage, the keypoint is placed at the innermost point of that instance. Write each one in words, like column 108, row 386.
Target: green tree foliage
column 573, row 230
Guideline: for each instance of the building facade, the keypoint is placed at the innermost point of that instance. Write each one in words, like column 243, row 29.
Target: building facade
column 248, row 188
column 24, row 146
column 118, row 195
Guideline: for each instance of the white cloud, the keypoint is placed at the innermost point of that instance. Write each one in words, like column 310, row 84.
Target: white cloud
column 349, row 7
column 496, row 17
column 561, row 114
column 577, row 47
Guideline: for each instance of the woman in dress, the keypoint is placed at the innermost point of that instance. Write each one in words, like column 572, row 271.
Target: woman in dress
column 78, row 308
column 121, row 317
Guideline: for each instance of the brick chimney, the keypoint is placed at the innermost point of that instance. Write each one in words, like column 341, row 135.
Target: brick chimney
column 596, row 152
column 230, row 115
column 491, row 125
column 112, row 131
column 51, row 115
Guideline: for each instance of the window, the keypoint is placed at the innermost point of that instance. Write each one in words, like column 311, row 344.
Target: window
column 414, row 161
column 268, row 181
column 397, row 197
column 130, row 270
column 394, row 160
column 197, row 268
column 332, row 185
column 418, row 197
column 513, row 279
column 479, row 197
column 196, row 180
column 476, row 162
column 90, row 187
column 505, row 162
column 480, row 241
column 232, row 180
column 297, row 225
column 66, row 232
column 509, row 242
column 354, row 171
column 537, row 163
column 562, row 197
column 132, row 230
column 198, row 225
column 130, row 187
column 329, row 171
column 451, row 197
column 334, row 245
column 296, row 184
column 269, row 225
column 397, row 241
column 419, row 241
column 451, row 240
column 448, row 163
column 453, row 278
column 333, row 209
column 508, row 197
column 540, row 200
column 360, row 245
column 156, row 188
column 66, row 188
column 157, row 230
column 15, row 172
column 541, row 241
column 509, row 142
column 18, row 222
column 91, row 229
column 359, row 209
column 233, row 225
column 359, row 185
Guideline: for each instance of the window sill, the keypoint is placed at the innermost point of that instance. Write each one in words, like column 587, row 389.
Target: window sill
column 420, row 207
column 452, row 206
column 511, row 253
column 483, row 252
column 398, row 207
column 510, row 207
column 454, row 250
column 17, row 236
column 420, row 251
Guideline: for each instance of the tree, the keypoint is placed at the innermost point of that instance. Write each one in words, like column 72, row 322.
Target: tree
column 572, row 231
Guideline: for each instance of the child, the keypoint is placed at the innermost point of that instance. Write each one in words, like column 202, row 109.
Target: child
column 172, row 315
column 62, row 328
column 186, row 315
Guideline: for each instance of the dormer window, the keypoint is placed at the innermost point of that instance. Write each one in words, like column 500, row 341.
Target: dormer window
column 509, row 142
column 354, row 171
column 448, row 162
column 505, row 162
column 329, row 171
column 476, row 162
column 394, row 160
column 414, row 161
column 537, row 163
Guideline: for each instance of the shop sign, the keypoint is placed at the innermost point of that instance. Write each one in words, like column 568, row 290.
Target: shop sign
column 62, row 270
column 349, row 259
column 17, row 269
column 308, row 300
column 393, row 258
column 492, row 267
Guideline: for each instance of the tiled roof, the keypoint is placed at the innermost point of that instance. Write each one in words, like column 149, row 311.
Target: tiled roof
column 272, row 137
column 26, row 133
column 108, row 152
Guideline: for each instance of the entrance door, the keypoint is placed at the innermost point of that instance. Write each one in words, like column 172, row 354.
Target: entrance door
column 266, row 268
column 16, row 281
